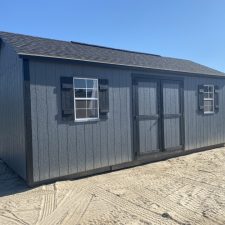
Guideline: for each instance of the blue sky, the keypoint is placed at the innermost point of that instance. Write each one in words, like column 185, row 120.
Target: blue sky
column 191, row 29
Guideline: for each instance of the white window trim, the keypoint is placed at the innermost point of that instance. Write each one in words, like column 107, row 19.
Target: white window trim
column 210, row 99
column 74, row 98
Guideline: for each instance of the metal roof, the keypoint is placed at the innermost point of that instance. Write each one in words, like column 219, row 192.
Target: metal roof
column 44, row 47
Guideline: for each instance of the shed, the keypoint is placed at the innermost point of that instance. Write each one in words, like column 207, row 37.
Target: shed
column 69, row 109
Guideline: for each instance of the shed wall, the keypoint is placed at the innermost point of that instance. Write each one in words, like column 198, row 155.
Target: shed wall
column 63, row 148
column 203, row 130
column 12, row 132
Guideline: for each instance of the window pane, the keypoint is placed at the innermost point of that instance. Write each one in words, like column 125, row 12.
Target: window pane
column 206, row 95
column 206, row 88
column 92, row 104
column 210, row 95
column 81, row 113
column 208, row 102
column 206, row 108
column 210, row 108
column 92, row 93
column 210, row 88
column 92, row 113
column 79, row 83
column 92, row 84
column 81, row 104
column 80, row 93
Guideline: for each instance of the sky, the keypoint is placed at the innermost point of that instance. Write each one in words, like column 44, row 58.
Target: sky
column 188, row 29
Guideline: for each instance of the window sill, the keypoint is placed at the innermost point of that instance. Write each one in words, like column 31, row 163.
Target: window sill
column 209, row 113
column 87, row 120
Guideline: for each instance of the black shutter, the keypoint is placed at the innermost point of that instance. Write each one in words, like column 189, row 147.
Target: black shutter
column 103, row 98
column 67, row 98
column 201, row 97
column 216, row 98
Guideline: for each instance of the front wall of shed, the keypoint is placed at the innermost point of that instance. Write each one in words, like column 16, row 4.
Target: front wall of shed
column 64, row 148
column 12, row 129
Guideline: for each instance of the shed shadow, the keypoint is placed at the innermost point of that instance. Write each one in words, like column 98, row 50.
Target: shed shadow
column 10, row 183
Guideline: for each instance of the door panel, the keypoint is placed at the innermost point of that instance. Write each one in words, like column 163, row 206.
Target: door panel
column 148, row 136
column 171, row 114
column 147, row 116
column 171, row 133
column 158, row 114
column 147, row 98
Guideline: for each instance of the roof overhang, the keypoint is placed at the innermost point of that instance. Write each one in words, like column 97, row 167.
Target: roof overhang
column 136, row 67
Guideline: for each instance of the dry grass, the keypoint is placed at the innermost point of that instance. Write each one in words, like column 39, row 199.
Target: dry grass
column 181, row 191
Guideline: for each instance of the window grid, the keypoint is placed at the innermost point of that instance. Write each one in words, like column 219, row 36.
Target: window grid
column 208, row 99
column 94, row 100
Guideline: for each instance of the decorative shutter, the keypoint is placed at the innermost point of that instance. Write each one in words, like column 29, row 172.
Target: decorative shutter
column 67, row 98
column 201, row 97
column 103, row 98
column 216, row 97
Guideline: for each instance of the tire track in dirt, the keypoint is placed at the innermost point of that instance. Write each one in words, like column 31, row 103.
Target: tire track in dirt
column 182, row 213
column 74, row 202
column 203, row 200
column 7, row 219
column 49, row 203
column 131, row 208
column 75, row 215
column 7, row 215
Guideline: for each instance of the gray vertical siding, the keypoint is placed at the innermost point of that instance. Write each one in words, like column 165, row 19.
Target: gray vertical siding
column 202, row 130
column 12, row 131
column 63, row 148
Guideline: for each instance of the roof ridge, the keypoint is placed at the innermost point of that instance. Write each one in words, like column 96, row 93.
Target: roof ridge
column 33, row 36
column 82, row 43
column 117, row 49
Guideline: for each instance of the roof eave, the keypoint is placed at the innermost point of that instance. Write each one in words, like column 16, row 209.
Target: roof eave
column 21, row 54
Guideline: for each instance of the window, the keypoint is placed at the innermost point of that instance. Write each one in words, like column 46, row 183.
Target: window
column 208, row 99
column 86, row 99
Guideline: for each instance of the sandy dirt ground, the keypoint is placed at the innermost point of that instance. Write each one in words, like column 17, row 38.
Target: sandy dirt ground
column 182, row 191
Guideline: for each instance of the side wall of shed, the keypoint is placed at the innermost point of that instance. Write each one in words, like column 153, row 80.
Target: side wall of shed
column 12, row 131
column 64, row 148
column 203, row 130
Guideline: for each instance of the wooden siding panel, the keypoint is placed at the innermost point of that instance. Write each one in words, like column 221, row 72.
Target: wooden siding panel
column 81, row 154
column 12, row 129
column 116, row 111
column 62, row 130
column 53, row 139
column 36, row 174
column 96, row 145
column 89, row 147
column 123, row 119
column 111, row 125
column 42, row 121
column 72, row 150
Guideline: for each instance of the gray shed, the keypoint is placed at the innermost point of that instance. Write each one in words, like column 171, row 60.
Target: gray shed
column 69, row 109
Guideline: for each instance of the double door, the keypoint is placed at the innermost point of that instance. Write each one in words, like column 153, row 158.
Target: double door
column 158, row 115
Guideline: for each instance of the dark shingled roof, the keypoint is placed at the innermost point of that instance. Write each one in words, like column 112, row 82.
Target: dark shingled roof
column 36, row 46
